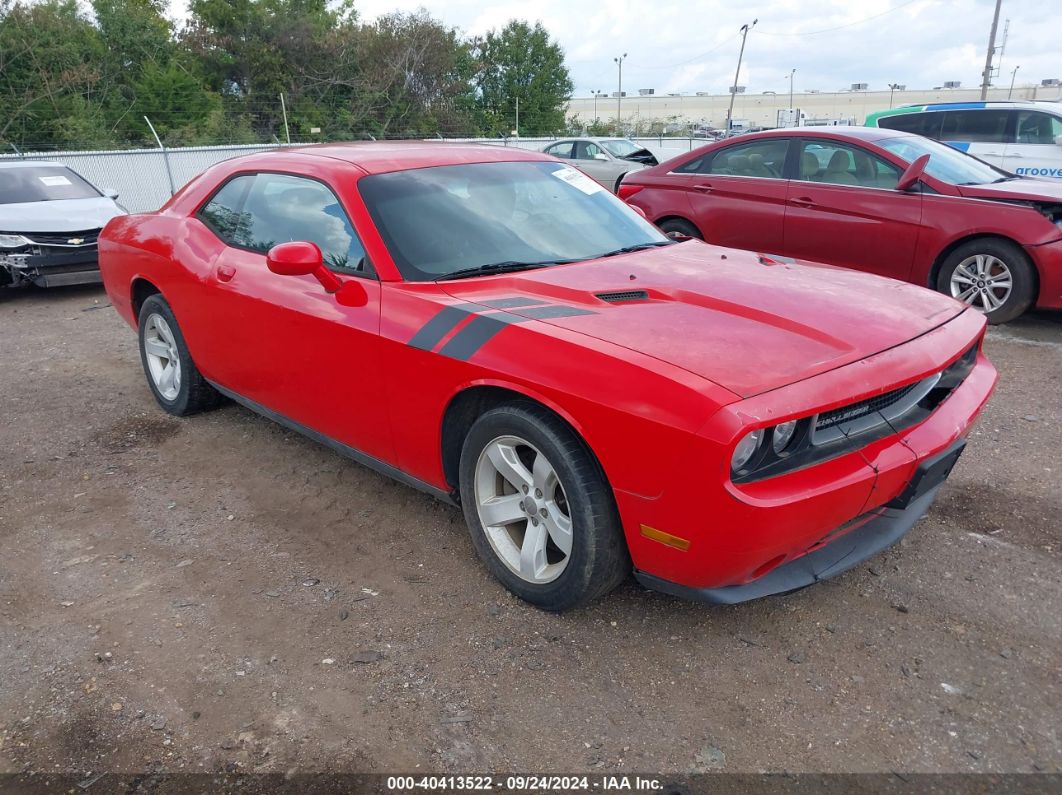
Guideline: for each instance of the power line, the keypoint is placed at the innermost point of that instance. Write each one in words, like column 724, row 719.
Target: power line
column 842, row 27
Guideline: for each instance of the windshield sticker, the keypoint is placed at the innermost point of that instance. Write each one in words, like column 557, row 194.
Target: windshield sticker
column 54, row 182
column 578, row 180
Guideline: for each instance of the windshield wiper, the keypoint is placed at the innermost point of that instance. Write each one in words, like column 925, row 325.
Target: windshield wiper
column 507, row 266
column 639, row 247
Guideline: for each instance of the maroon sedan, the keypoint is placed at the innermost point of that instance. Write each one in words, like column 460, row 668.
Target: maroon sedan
column 875, row 200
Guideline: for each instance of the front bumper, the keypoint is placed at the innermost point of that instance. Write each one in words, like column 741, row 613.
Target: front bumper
column 51, row 269
column 847, row 547
column 1048, row 258
column 696, row 536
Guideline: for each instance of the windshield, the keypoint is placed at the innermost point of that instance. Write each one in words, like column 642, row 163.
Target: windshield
column 621, row 148
column 442, row 219
column 42, row 184
column 945, row 163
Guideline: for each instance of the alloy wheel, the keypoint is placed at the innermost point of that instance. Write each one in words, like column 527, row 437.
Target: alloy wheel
column 164, row 363
column 983, row 281
column 523, row 509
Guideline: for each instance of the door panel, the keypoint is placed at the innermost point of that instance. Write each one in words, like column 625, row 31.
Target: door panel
column 282, row 341
column 842, row 211
column 738, row 196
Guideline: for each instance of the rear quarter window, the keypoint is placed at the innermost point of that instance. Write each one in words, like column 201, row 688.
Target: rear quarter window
column 927, row 124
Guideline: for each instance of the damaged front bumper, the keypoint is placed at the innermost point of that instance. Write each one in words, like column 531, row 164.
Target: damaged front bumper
column 50, row 267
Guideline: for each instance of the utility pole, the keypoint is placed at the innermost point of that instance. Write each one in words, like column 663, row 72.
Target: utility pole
column 517, row 130
column 1013, row 75
column 596, row 94
column 791, row 73
column 733, row 90
column 619, row 95
column 986, row 77
column 284, row 111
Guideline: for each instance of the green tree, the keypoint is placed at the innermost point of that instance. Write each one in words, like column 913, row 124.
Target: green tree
column 521, row 63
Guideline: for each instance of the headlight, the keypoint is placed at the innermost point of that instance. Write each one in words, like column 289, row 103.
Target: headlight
column 13, row 241
column 745, row 449
column 783, row 435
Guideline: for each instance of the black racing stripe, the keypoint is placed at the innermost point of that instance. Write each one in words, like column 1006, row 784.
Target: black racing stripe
column 473, row 336
column 432, row 332
column 510, row 303
column 546, row 312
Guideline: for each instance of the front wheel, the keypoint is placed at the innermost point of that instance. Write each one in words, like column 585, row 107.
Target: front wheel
column 679, row 229
column 991, row 275
column 539, row 509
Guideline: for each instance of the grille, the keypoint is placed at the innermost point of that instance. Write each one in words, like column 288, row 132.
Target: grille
column 854, row 411
column 88, row 237
column 624, row 295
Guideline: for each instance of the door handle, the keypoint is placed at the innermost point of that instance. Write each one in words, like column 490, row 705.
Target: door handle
column 225, row 273
column 803, row 201
column 704, row 187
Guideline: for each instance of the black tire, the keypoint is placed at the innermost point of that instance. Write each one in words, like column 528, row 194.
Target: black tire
column 1023, row 275
column 677, row 228
column 194, row 393
column 599, row 560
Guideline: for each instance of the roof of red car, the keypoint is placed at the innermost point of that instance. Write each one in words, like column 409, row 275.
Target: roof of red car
column 841, row 131
column 377, row 157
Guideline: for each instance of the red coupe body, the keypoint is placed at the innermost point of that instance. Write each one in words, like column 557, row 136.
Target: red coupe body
column 660, row 360
column 828, row 194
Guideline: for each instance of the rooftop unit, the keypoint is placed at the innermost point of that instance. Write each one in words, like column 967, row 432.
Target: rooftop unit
column 860, row 86
column 646, row 92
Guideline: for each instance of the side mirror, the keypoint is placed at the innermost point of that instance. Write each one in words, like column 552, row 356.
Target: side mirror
column 1058, row 140
column 110, row 193
column 909, row 178
column 639, row 210
column 301, row 258
column 601, row 156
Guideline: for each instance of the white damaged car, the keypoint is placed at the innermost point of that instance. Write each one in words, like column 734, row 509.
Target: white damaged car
column 50, row 218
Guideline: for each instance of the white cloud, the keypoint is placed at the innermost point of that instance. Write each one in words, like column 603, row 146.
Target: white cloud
column 692, row 45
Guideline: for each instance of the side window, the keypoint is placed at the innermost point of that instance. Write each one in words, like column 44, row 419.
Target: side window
column 561, row 150
column 693, row 166
column 586, row 150
column 1035, row 127
column 754, row 159
column 223, row 212
column 927, row 124
column 841, row 164
column 975, row 126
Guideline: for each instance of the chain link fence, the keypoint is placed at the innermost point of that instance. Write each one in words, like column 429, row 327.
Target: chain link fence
column 146, row 178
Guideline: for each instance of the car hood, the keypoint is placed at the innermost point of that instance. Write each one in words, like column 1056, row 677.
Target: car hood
column 1024, row 189
column 61, row 215
column 746, row 322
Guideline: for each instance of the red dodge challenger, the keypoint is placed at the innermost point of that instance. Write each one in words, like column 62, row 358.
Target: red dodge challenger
column 491, row 326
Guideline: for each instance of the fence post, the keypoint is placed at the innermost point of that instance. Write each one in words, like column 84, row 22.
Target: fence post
column 165, row 155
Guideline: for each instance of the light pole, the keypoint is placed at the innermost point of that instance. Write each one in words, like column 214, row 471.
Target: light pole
column 791, row 73
column 1013, row 75
column 733, row 90
column 619, row 94
column 596, row 94
column 892, row 88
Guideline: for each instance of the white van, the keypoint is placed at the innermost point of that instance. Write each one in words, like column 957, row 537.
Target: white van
column 1024, row 138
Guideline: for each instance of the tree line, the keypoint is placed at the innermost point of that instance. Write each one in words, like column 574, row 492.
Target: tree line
column 247, row 71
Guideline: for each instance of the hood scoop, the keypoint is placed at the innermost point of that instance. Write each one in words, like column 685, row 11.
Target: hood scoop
column 623, row 296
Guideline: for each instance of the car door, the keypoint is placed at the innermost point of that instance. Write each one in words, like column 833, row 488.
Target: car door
column 737, row 194
column 843, row 209
column 600, row 165
column 282, row 341
column 1036, row 150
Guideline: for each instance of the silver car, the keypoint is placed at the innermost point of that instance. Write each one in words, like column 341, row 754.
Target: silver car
column 50, row 218
column 606, row 160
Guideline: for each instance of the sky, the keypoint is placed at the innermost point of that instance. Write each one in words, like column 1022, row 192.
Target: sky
column 692, row 45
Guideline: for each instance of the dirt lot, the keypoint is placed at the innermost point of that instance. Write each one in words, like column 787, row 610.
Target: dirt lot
column 218, row 593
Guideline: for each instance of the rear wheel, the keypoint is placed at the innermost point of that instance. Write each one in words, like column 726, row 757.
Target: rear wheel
column 992, row 275
column 539, row 508
column 677, row 228
column 174, row 380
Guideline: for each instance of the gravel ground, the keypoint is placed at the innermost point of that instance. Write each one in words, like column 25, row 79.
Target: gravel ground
column 218, row 593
